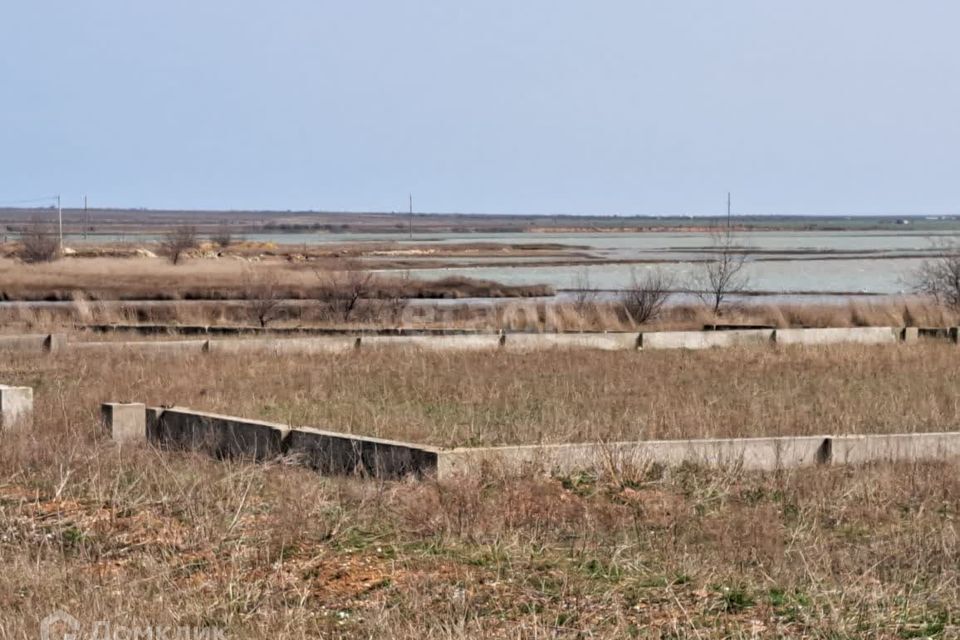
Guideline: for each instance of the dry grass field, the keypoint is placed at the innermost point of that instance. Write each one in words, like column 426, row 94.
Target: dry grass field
column 489, row 398
column 137, row 536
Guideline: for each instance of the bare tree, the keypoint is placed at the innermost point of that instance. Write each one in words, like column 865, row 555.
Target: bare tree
column 723, row 273
column 39, row 243
column 344, row 287
column 222, row 237
column 644, row 299
column 262, row 291
column 939, row 276
column 179, row 240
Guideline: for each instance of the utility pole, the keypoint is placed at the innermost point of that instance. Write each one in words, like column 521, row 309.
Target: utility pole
column 60, row 218
column 86, row 218
column 728, row 211
column 410, row 226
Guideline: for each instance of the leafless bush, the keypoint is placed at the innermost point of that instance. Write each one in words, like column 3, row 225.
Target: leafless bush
column 264, row 296
column 584, row 293
column 644, row 299
column 222, row 237
column 722, row 274
column 178, row 241
column 939, row 277
column 344, row 287
column 40, row 243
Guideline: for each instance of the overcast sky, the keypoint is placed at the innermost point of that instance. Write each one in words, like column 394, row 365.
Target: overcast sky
column 519, row 106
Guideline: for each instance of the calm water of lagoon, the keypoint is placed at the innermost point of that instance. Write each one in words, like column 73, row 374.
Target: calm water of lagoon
column 876, row 262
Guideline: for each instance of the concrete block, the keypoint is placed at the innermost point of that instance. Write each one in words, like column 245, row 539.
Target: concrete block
column 55, row 343
column 125, row 421
column 858, row 449
column 854, row 335
column 619, row 341
column 220, row 436
column 338, row 453
column 704, row 339
column 490, row 342
column 16, row 408
column 766, row 454
column 910, row 334
column 26, row 343
column 332, row 344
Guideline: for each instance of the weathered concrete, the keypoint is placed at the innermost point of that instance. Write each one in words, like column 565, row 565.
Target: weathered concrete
column 55, row 342
column 857, row 449
column 220, row 436
column 28, row 343
column 749, row 453
column 910, row 334
column 704, row 339
column 488, row 342
column 340, row 453
column 125, row 421
column 614, row 341
column 285, row 345
column 16, row 408
column 857, row 335
column 146, row 347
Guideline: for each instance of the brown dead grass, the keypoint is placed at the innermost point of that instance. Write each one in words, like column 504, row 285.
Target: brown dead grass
column 480, row 398
column 137, row 536
column 227, row 278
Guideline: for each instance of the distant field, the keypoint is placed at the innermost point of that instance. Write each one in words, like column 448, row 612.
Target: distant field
column 98, row 221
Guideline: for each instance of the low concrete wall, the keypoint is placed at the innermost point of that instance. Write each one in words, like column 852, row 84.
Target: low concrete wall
column 764, row 454
column 284, row 345
column 440, row 343
column 858, row 449
column 615, row 341
column 856, row 335
column 339, row 453
column 147, row 347
column 704, row 339
column 31, row 343
column 16, row 408
column 220, row 436
column 231, row 437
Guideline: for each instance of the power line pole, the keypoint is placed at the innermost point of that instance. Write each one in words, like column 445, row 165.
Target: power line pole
column 86, row 218
column 60, row 218
column 728, row 210
column 410, row 226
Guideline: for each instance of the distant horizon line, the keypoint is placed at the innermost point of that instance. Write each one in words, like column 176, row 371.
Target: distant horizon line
column 405, row 214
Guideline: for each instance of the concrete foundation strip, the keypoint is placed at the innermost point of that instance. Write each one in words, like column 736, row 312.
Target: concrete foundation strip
column 333, row 453
column 522, row 342
column 610, row 341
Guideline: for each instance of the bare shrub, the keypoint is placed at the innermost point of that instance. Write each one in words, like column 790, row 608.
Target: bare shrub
column 939, row 276
column 178, row 241
column 584, row 293
column 264, row 296
column 222, row 237
column 722, row 275
column 644, row 299
column 344, row 287
column 39, row 243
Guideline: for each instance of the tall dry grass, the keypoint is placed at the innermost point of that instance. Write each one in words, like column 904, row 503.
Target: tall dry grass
column 489, row 398
column 138, row 537
column 217, row 279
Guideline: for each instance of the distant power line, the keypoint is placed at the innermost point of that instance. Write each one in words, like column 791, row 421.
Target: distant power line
column 43, row 199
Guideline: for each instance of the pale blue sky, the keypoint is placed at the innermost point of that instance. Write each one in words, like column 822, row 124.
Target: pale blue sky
column 526, row 106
